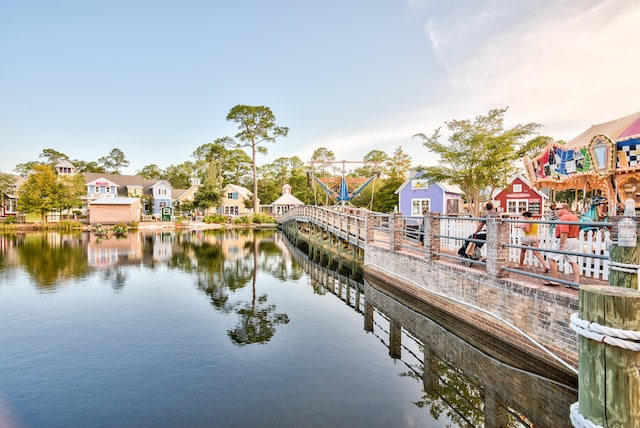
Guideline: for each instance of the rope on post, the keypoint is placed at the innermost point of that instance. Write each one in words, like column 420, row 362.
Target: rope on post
column 611, row 336
column 578, row 420
column 625, row 267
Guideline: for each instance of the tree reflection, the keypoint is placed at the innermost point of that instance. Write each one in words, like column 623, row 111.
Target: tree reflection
column 115, row 276
column 454, row 393
column 49, row 257
column 257, row 318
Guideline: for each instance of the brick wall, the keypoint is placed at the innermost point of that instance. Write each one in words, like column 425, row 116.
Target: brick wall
column 541, row 314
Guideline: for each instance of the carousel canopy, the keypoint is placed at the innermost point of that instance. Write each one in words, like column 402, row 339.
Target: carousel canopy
column 587, row 160
column 627, row 126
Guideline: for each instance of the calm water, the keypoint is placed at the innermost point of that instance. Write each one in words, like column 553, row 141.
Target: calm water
column 198, row 329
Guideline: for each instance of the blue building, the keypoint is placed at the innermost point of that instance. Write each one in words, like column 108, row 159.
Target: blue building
column 417, row 195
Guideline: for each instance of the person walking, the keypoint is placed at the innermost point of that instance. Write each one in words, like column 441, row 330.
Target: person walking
column 531, row 239
column 566, row 240
column 553, row 216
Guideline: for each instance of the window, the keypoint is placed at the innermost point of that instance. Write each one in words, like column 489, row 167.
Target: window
column 231, row 210
column 517, row 188
column 419, row 184
column 419, row 205
column 516, row 206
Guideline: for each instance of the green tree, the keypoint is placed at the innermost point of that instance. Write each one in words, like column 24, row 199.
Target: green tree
column 399, row 165
column 257, row 126
column 480, row 155
column 40, row 192
column 72, row 188
column 374, row 162
column 151, row 172
column 7, row 181
column 24, row 169
column 53, row 157
column 385, row 199
column 181, row 176
column 84, row 166
column 207, row 196
column 323, row 158
column 114, row 161
column 237, row 168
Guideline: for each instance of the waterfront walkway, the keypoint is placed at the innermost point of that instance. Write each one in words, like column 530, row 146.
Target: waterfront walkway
column 493, row 293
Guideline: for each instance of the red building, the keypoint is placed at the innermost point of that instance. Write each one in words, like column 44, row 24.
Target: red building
column 519, row 196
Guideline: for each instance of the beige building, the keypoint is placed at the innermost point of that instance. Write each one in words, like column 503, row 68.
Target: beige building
column 115, row 210
column 234, row 200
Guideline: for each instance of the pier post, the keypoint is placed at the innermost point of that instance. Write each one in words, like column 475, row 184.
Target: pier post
column 395, row 339
column 368, row 314
column 608, row 375
column 431, row 228
column 619, row 257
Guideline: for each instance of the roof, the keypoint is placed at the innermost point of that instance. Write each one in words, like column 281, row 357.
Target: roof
column 115, row 201
column 121, row 180
column 448, row 188
column 184, row 194
column 620, row 128
column 287, row 199
column 242, row 191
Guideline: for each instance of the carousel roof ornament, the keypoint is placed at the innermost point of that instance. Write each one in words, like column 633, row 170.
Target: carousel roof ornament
column 603, row 150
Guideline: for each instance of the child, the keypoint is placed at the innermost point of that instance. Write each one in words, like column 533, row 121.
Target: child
column 531, row 239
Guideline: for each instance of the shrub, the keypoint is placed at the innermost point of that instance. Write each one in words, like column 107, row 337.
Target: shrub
column 215, row 218
column 66, row 225
column 243, row 219
column 12, row 219
column 262, row 219
column 120, row 229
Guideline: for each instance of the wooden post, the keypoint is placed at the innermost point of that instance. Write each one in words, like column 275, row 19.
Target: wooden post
column 608, row 375
column 624, row 256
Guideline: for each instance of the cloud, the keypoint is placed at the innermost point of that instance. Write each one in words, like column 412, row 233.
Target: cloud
column 561, row 63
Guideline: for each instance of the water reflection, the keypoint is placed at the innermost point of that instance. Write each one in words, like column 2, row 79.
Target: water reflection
column 458, row 375
column 221, row 262
column 472, row 378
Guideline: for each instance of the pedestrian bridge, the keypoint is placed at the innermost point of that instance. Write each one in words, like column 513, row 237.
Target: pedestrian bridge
column 504, row 299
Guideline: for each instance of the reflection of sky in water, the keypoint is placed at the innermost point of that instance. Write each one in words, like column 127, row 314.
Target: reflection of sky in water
column 155, row 352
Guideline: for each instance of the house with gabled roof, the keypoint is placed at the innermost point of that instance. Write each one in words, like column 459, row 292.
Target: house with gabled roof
column 518, row 196
column 418, row 195
column 103, row 185
column 234, row 201
column 9, row 199
column 285, row 202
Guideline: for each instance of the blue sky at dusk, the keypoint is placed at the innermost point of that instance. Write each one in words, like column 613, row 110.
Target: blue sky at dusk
column 156, row 79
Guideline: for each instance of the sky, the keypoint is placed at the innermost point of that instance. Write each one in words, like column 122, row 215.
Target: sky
column 156, row 79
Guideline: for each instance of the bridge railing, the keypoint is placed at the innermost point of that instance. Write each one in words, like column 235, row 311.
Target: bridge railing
column 442, row 236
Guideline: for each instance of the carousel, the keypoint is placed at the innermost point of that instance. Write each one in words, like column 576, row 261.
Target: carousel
column 603, row 162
